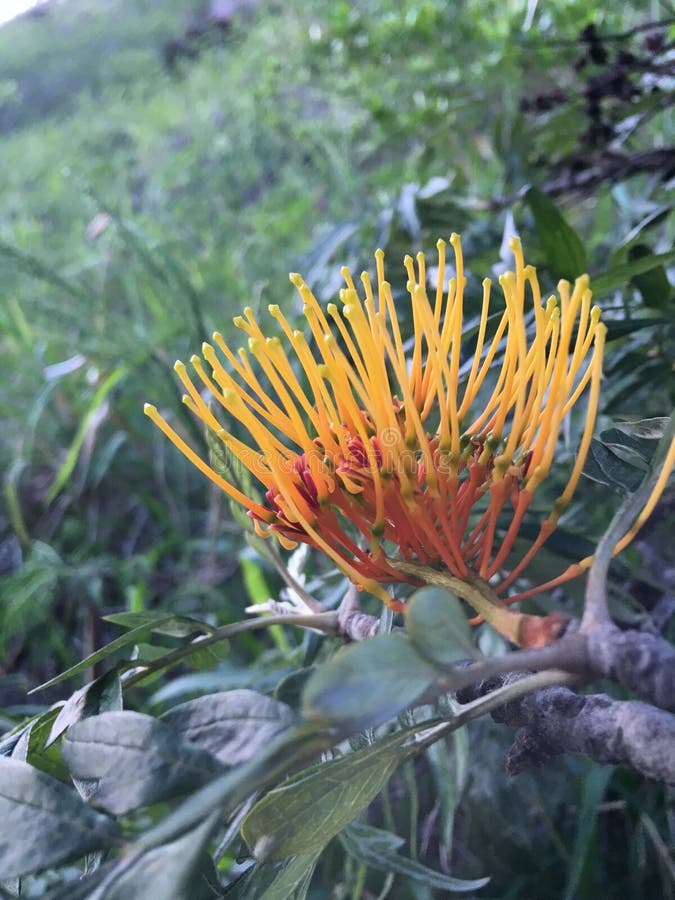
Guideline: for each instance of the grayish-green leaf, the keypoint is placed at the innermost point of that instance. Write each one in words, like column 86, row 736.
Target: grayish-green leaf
column 605, row 467
column 654, row 285
column 232, row 725
column 181, row 870
column 102, row 695
column 226, row 792
column 449, row 764
column 290, row 688
column 289, row 880
column 364, row 844
column 367, row 683
column 129, row 760
column 44, row 822
column 437, row 626
column 306, row 813
column 646, row 429
column 592, row 791
column 562, row 246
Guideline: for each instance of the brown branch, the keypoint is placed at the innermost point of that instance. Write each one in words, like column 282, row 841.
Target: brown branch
column 556, row 720
column 642, row 662
column 614, row 167
column 354, row 624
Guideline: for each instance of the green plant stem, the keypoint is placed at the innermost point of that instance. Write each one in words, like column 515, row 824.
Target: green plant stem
column 474, row 590
column 492, row 701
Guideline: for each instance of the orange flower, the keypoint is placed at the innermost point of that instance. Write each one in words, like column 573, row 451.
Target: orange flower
column 372, row 451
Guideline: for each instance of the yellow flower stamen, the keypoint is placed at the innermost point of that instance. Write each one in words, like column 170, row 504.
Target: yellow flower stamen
column 362, row 448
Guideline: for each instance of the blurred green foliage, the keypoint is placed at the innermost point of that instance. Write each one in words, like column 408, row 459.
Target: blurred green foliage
column 157, row 176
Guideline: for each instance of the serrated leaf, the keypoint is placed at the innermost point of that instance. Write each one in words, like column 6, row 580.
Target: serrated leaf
column 129, row 760
column 232, row 725
column 360, row 841
column 160, row 623
column 367, row 683
column 437, row 626
column 563, row 249
column 49, row 822
column 305, row 814
column 101, row 695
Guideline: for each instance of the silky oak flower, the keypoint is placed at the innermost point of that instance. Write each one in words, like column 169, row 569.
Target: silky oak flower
column 379, row 450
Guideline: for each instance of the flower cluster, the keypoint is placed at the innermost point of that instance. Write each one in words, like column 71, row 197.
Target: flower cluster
column 372, row 448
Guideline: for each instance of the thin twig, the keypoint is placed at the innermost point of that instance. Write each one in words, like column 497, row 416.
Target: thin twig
column 325, row 621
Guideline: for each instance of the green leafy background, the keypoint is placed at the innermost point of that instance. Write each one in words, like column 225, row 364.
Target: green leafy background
column 157, row 175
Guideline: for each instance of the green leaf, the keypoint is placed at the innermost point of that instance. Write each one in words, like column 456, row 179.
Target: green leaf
column 305, row 814
column 654, row 286
column 646, row 429
column 128, row 760
column 181, row 870
column 226, row 792
column 367, row 683
column 621, row 328
column 368, row 845
column 612, row 279
column 437, row 626
column 592, row 791
column 563, row 249
column 49, row 822
column 232, row 725
column 635, row 442
column 97, row 400
column 286, row 881
column 131, row 637
column 605, row 467
column 291, row 687
column 29, row 746
column 449, row 769
column 102, row 695
column 160, row 623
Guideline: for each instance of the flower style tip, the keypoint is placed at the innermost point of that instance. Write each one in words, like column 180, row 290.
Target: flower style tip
column 374, row 449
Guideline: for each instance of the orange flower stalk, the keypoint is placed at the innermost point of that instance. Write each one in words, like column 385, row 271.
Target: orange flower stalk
column 376, row 453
